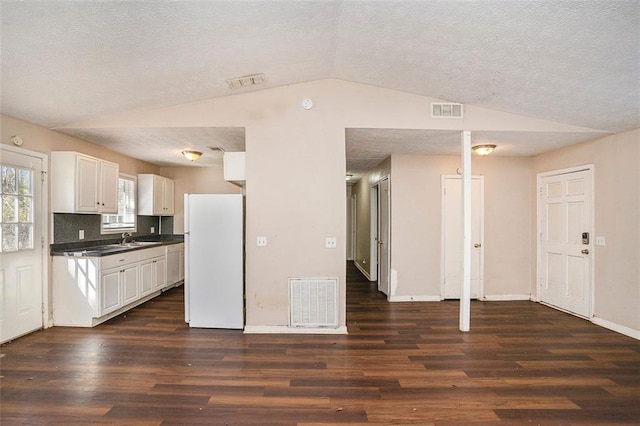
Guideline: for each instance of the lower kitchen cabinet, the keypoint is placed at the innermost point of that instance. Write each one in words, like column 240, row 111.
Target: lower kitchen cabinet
column 90, row 290
column 110, row 299
column 152, row 274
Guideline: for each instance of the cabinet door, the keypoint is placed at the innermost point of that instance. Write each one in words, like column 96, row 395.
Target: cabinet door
column 158, row 195
column 168, row 197
column 160, row 266
column 109, row 187
column 146, row 277
column 87, row 184
column 129, row 284
column 110, row 291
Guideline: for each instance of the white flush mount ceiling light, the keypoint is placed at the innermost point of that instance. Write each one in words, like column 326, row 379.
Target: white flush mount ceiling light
column 484, row 149
column 191, row 155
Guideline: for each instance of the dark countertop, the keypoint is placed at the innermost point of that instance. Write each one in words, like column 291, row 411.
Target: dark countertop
column 112, row 246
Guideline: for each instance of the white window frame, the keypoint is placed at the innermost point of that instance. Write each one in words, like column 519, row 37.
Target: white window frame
column 121, row 229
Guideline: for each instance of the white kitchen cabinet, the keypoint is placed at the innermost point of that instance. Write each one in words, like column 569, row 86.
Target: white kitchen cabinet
column 146, row 277
column 155, row 195
column 152, row 274
column 83, row 184
column 160, row 273
column 90, row 290
column 110, row 299
column 152, row 270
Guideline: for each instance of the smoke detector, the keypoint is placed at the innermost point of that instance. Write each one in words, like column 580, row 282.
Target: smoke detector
column 245, row 81
column 446, row 110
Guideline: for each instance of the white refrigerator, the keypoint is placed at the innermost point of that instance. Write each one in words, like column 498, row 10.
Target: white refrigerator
column 214, row 277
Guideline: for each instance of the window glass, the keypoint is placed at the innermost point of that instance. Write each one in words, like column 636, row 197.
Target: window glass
column 16, row 222
column 125, row 220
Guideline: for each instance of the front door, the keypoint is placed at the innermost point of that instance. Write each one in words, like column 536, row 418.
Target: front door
column 565, row 230
column 383, row 236
column 21, row 251
column 452, row 236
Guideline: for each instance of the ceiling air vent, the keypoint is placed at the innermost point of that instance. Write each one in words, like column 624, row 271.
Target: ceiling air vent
column 247, row 80
column 446, row 110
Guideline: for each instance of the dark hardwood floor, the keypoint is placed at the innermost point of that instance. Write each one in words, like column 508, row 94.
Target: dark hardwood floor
column 402, row 363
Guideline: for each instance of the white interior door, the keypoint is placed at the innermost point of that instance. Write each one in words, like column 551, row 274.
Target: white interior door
column 383, row 236
column 452, row 236
column 21, row 248
column 373, row 232
column 564, row 262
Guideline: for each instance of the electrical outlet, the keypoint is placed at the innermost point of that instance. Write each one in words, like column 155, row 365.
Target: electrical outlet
column 81, row 234
column 153, row 229
column 261, row 241
column 330, row 242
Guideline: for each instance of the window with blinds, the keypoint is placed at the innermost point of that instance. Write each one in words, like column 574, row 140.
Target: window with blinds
column 125, row 220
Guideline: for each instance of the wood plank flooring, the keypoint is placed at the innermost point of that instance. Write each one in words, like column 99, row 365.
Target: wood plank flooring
column 401, row 363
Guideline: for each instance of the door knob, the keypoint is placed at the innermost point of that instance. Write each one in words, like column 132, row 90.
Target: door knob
column 585, row 251
column 477, row 245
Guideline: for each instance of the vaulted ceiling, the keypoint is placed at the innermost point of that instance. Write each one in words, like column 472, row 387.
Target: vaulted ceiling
column 574, row 62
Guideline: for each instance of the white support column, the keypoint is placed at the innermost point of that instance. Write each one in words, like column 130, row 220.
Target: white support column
column 465, row 294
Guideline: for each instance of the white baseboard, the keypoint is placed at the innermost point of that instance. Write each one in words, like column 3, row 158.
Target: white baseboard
column 616, row 327
column 283, row 329
column 414, row 299
column 506, row 297
column 361, row 269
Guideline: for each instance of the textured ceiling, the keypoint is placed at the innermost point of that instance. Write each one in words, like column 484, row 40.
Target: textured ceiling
column 575, row 62
column 163, row 146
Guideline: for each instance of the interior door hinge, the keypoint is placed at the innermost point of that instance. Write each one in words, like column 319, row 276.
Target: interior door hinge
column 41, row 242
column 42, row 308
column 43, row 174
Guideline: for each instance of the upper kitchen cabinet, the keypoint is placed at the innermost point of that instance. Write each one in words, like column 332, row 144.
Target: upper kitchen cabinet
column 155, row 195
column 83, row 184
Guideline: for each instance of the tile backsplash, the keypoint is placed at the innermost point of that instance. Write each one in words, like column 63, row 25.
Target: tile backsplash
column 66, row 227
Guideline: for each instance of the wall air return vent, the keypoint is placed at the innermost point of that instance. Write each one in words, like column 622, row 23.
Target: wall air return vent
column 245, row 81
column 313, row 302
column 446, row 110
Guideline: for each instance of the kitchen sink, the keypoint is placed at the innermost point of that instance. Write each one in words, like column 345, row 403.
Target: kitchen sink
column 138, row 244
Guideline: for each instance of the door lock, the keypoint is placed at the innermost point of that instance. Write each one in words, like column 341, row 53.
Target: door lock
column 585, row 251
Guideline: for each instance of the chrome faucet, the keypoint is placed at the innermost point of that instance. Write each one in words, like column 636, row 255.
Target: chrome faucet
column 125, row 235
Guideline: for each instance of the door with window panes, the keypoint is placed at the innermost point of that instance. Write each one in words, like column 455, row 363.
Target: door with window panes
column 21, row 251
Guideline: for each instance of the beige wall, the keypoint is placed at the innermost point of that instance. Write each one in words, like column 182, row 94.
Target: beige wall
column 195, row 180
column 416, row 223
column 296, row 170
column 616, row 161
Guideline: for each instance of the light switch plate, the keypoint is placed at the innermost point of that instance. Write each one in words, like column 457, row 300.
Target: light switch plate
column 153, row 229
column 261, row 241
column 330, row 242
column 81, row 234
column 600, row 241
